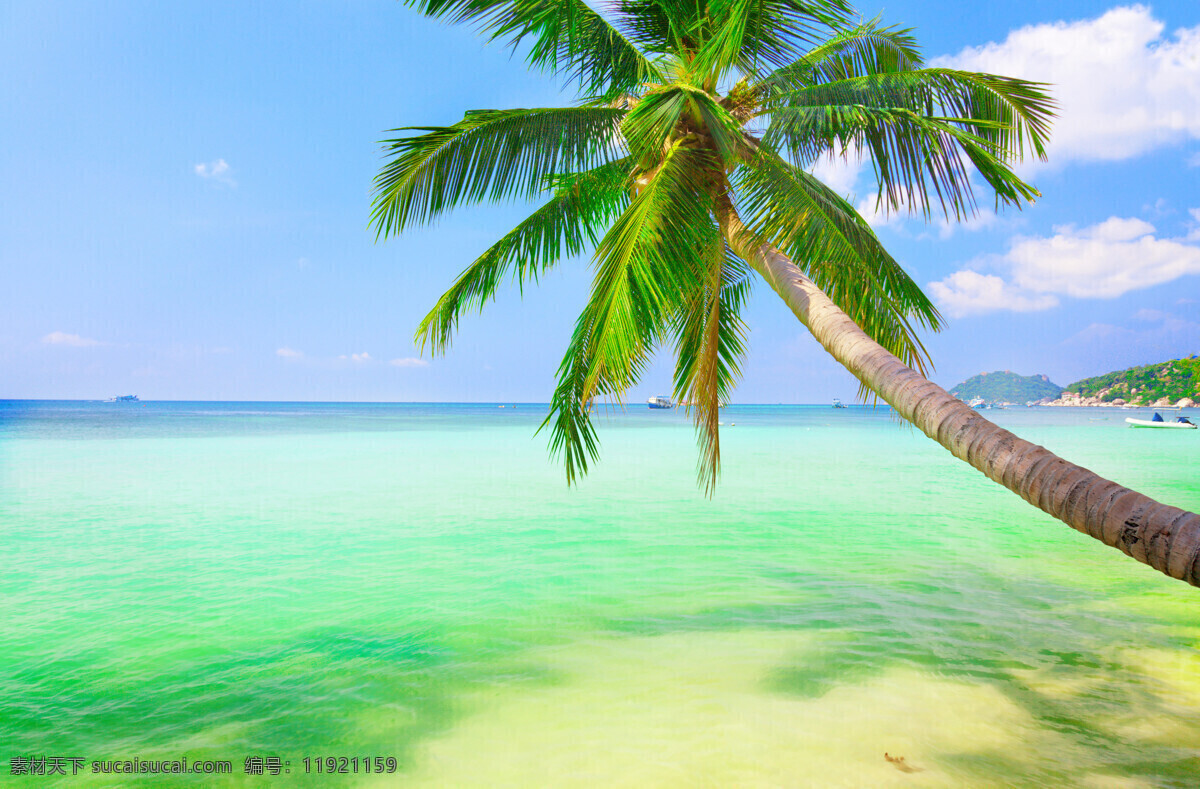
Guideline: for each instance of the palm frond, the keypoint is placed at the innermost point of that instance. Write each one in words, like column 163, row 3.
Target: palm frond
column 571, row 222
column 686, row 113
column 720, row 126
column 755, row 34
column 1009, row 113
column 823, row 234
column 651, row 122
column 568, row 39
column 644, row 265
column 918, row 160
column 488, row 155
column 660, row 27
column 711, row 342
column 862, row 50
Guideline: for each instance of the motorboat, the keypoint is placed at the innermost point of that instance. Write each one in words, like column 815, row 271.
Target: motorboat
column 838, row 403
column 660, row 401
column 124, row 399
column 1180, row 423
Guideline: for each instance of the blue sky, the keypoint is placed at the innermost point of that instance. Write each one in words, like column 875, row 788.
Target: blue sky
column 186, row 192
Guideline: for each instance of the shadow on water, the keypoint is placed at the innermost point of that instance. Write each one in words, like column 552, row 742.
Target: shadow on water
column 329, row 692
column 1044, row 646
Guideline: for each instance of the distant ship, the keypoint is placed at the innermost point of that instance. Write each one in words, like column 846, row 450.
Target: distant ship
column 838, row 403
column 660, row 401
column 125, row 399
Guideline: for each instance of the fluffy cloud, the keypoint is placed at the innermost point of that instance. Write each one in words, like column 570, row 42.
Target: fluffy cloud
column 838, row 173
column 408, row 362
column 217, row 170
column 357, row 357
column 1098, row 262
column 969, row 292
column 1123, row 87
column 288, row 353
column 70, row 340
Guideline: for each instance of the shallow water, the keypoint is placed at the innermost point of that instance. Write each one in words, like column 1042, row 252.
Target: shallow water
column 220, row 581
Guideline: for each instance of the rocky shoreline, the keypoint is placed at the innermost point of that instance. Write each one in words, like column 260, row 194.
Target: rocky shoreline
column 1075, row 400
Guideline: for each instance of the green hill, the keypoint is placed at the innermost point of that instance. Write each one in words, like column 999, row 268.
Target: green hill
column 1005, row 386
column 1173, row 380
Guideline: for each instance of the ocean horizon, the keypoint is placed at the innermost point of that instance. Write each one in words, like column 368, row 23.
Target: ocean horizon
column 289, row 581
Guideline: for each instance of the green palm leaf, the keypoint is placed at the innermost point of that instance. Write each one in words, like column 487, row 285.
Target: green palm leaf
column 753, row 34
column 568, row 38
column 793, row 211
column 916, row 158
column 583, row 206
column 921, row 129
column 862, row 50
column 645, row 264
column 488, row 155
column 711, row 341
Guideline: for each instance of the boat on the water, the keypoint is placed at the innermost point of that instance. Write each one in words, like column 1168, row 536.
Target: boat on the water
column 125, row 399
column 1180, row 423
column 838, row 403
column 660, row 401
column 977, row 404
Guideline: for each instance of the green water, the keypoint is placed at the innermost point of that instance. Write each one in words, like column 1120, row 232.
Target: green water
column 219, row 581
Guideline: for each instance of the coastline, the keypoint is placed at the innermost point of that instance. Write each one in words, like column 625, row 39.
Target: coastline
column 1073, row 400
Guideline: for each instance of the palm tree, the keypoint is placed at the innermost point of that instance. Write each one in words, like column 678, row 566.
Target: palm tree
column 684, row 166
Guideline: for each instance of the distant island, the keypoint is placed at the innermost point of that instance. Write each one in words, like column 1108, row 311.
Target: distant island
column 1005, row 386
column 1173, row 383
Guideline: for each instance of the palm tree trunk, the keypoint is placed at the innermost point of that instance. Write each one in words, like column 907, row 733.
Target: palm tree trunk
column 1164, row 537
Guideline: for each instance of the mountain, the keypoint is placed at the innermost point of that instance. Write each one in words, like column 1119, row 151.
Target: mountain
column 1173, row 380
column 1006, row 386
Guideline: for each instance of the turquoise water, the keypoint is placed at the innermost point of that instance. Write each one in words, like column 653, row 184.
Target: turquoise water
column 223, row 580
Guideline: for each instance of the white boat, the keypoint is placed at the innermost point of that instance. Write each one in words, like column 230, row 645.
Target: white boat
column 660, row 401
column 838, row 403
column 977, row 403
column 1181, row 423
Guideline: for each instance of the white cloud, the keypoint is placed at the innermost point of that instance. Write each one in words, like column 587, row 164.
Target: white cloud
column 1100, row 262
column 1194, row 228
column 839, row 173
column 969, row 292
column 217, row 170
column 70, row 340
column 1103, row 261
column 288, row 353
column 408, row 362
column 357, row 357
column 1123, row 87
column 878, row 215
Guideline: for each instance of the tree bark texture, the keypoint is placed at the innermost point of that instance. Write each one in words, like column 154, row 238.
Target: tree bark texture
column 1166, row 538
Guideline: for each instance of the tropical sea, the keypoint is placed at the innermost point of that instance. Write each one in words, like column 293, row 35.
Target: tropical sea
column 296, row 581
